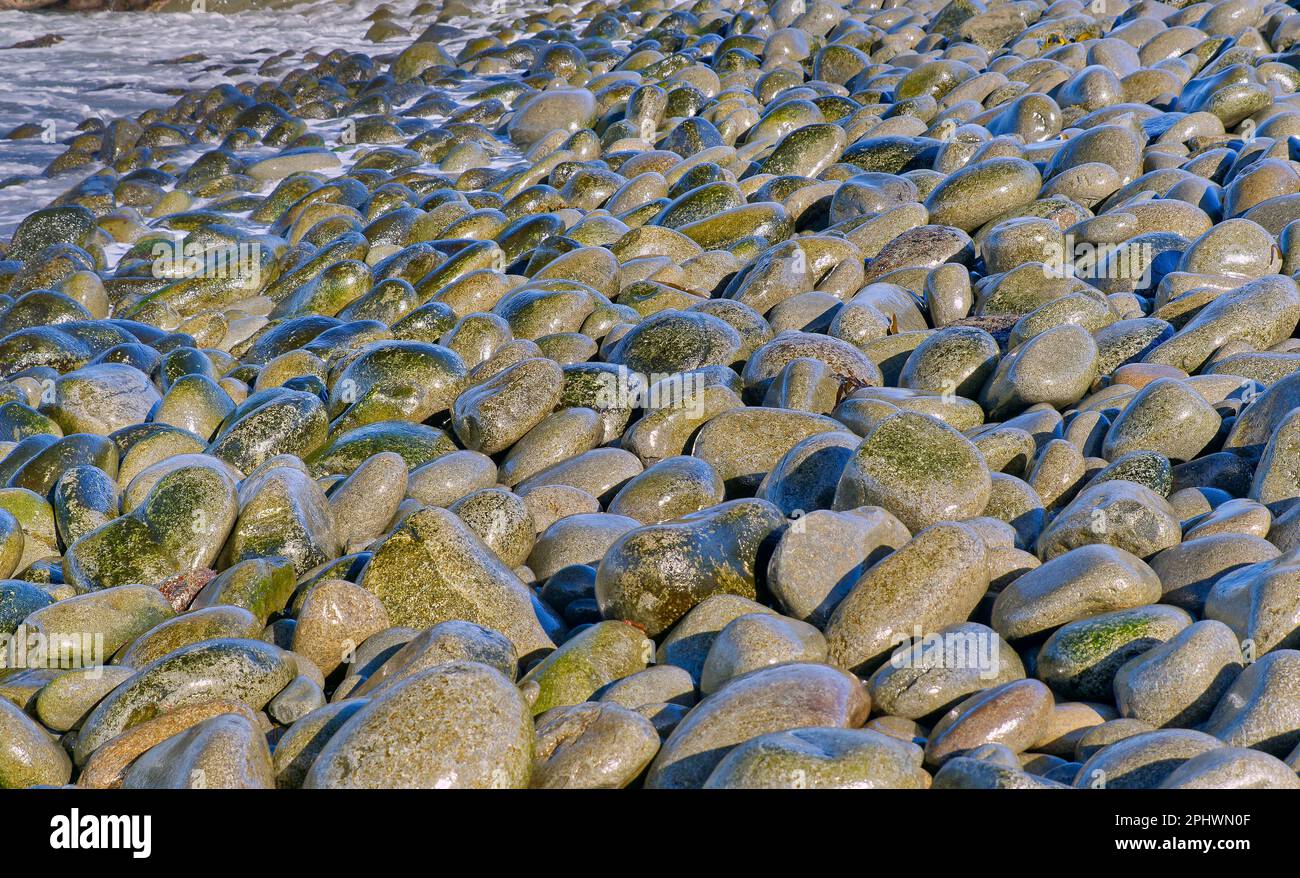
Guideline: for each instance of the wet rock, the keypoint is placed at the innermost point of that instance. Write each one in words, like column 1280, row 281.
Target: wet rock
column 455, row 725
column 1014, row 714
column 1084, row 582
column 822, row 554
column 917, row 468
column 224, row 752
column 1258, row 710
column 1117, row 513
column 770, row 700
column 756, row 641
column 931, row 673
column 592, row 746
column 248, row 671
column 1178, row 682
column 1080, row 659
column 596, row 656
column 642, row 578
column 934, row 580
column 826, row 758
column 434, row 568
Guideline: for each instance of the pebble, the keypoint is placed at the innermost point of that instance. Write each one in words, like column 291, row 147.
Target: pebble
column 756, row 641
column 590, row 659
column 30, row 757
column 592, row 746
column 1117, row 513
column 822, row 554
column 1080, row 659
column 225, row 752
column 433, row 568
column 652, row 576
column 1232, row 768
column 918, row 468
column 821, row 758
column 1144, row 760
column 1259, row 707
column 773, row 699
column 936, row 579
column 1192, row 570
column 455, row 725
column 1179, row 682
column 925, row 678
column 1014, row 714
column 1083, row 582
column 248, row 671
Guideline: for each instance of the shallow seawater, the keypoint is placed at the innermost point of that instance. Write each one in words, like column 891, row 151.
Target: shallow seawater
column 113, row 64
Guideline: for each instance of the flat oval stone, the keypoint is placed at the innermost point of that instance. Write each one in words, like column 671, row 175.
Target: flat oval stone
column 85, row 630
column 455, row 725
column 1179, row 682
column 677, row 341
column 657, row 684
column 599, row 472
column 1193, row 570
column 455, row 640
column 577, row 538
column 271, row 422
column 756, row 641
column 671, row 488
column 1055, row 367
column 930, row 675
column 448, row 477
column 204, row 623
column 567, row 109
column 770, row 700
column 979, row 192
column 934, row 580
column 592, row 746
column 1013, row 714
column 30, row 756
column 1143, row 761
column 1118, row 513
column 821, row 758
column 1084, row 582
column 1166, row 416
column 365, row 502
column 249, row 671
column 557, row 437
column 434, row 568
column 652, row 576
column 917, row 468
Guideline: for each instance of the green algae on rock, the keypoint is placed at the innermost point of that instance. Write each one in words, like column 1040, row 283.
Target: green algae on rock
column 384, row 418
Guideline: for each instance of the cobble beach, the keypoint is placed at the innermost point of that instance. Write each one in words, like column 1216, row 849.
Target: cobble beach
column 718, row 394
